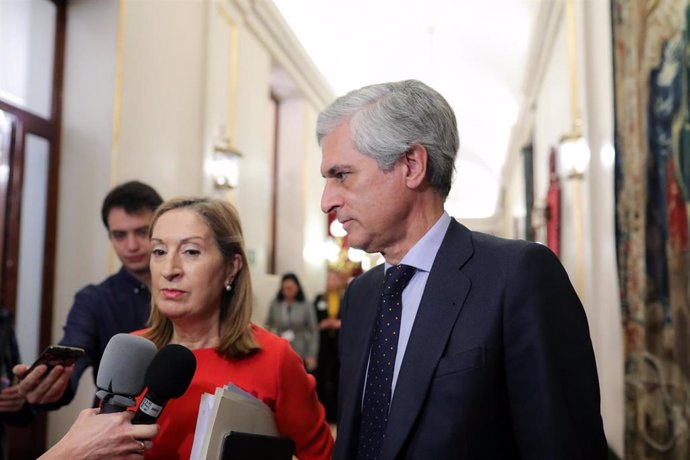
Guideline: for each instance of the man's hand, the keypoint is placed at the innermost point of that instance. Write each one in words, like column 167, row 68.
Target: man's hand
column 99, row 436
column 11, row 400
column 41, row 386
column 329, row 324
column 310, row 363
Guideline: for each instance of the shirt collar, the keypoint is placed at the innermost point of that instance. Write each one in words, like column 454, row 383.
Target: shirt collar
column 421, row 256
column 131, row 281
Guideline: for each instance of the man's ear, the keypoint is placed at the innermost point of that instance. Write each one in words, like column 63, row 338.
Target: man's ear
column 415, row 160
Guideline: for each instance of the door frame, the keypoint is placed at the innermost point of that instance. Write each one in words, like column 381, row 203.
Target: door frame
column 29, row 442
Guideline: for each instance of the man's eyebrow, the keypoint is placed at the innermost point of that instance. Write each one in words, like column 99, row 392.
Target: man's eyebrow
column 335, row 169
column 138, row 229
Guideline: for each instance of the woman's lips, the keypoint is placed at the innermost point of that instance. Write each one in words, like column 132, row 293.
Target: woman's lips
column 172, row 293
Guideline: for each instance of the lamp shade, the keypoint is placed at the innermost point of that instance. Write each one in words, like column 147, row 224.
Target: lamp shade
column 225, row 167
column 574, row 155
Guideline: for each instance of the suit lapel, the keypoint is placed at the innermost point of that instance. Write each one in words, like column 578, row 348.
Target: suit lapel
column 442, row 301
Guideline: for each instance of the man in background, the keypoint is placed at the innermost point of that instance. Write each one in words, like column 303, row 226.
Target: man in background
column 473, row 346
column 120, row 303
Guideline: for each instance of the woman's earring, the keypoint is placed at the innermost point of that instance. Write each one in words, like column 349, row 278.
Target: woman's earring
column 228, row 287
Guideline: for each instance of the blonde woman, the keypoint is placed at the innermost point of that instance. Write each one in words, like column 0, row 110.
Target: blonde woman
column 202, row 299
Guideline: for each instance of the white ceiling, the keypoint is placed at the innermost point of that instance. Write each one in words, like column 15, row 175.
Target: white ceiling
column 472, row 51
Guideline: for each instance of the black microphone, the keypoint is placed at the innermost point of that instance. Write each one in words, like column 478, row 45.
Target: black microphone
column 121, row 372
column 168, row 377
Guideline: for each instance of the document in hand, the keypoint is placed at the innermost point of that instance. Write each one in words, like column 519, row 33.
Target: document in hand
column 229, row 409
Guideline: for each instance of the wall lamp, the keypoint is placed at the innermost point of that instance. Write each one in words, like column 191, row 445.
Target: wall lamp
column 225, row 165
column 574, row 154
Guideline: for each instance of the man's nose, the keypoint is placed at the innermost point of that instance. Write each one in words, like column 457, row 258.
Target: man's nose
column 133, row 242
column 329, row 198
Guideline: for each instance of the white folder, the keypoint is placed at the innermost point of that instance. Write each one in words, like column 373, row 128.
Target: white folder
column 229, row 409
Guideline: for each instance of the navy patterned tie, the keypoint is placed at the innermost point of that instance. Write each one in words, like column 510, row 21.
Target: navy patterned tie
column 384, row 345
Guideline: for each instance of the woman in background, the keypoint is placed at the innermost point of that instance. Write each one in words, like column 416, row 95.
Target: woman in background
column 294, row 319
column 202, row 299
column 327, row 309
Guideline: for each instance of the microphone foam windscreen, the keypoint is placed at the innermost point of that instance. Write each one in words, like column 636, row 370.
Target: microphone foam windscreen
column 171, row 371
column 124, row 363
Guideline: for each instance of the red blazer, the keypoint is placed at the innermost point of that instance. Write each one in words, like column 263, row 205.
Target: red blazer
column 275, row 375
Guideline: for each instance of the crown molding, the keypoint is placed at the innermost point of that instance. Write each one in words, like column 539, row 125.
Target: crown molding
column 263, row 18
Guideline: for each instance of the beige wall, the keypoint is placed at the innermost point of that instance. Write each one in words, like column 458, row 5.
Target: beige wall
column 82, row 248
column 161, row 98
column 299, row 181
column 601, row 272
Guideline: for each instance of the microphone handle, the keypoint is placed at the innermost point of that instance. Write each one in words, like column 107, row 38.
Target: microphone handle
column 111, row 402
column 149, row 410
column 107, row 408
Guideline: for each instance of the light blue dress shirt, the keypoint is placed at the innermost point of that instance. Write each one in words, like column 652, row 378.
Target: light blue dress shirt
column 421, row 256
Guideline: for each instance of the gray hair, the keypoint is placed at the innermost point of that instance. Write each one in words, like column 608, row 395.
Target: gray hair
column 388, row 119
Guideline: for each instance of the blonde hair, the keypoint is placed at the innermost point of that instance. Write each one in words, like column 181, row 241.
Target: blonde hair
column 236, row 338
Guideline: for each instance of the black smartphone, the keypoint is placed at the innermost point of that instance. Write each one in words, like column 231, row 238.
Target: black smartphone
column 249, row 446
column 56, row 355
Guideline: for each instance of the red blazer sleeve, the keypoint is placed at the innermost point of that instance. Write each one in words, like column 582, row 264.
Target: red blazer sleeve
column 298, row 412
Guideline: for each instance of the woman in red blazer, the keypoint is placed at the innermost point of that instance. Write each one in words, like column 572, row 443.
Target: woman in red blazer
column 202, row 299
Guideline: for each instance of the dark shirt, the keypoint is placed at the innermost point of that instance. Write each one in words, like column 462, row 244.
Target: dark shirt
column 9, row 357
column 119, row 304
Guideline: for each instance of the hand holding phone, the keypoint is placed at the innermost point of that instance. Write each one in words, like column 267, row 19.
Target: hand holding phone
column 49, row 386
column 57, row 355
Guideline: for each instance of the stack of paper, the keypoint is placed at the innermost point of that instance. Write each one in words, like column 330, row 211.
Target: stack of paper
column 229, row 409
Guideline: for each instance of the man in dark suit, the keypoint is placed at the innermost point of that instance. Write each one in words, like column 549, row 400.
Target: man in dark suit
column 493, row 357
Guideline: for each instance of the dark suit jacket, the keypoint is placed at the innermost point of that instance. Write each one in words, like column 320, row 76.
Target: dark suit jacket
column 499, row 363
